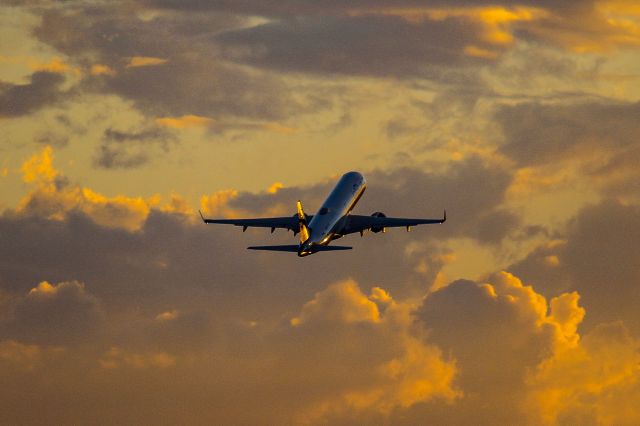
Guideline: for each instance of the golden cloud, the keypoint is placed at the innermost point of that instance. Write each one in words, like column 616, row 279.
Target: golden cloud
column 184, row 122
column 100, row 69
column 145, row 61
column 217, row 204
column 343, row 302
column 416, row 373
column 497, row 23
column 53, row 197
column 599, row 379
column 275, row 187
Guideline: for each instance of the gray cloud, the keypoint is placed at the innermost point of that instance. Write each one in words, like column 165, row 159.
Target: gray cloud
column 327, row 7
column 55, row 314
column 123, row 149
column 538, row 134
column 193, row 80
column 366, row 45
column 21, row 99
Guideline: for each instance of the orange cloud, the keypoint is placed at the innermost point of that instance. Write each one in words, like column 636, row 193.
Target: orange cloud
column 343, row 302
column 598, row 379
column 217, row 204
column 275, row 187
column 54, row 197
column 184, row 122
column 39, row 168
column 497, row 22
column 100, row 69
column 145, row 61
column 168, row 315
column 55, row 65
column 414, row 373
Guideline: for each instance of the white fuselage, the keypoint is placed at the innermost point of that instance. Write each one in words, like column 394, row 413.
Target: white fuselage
column 327, row 222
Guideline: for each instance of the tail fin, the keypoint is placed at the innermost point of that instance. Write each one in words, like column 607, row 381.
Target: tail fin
column 302, row 221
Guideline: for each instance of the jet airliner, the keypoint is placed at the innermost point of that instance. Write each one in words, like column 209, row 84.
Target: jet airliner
column 334, row 220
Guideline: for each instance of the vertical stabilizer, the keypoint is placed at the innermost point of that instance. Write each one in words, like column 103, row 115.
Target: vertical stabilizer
column 302, row 221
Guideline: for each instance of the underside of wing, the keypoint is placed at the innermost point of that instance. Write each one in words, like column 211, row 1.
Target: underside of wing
column 286, row 222
column 358, row 223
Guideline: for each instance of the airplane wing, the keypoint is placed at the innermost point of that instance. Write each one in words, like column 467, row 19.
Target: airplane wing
column 297, row 247
column 286, row 222
column 358, row 223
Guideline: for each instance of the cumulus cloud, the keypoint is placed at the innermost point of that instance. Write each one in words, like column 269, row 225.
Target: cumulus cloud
column 595, row 257
column 387, row 366
column 55, row 314
column 55, row 197
column 495, row 331
column 596, row 382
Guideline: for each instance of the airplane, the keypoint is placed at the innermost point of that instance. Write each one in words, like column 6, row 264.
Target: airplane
column 334, row 220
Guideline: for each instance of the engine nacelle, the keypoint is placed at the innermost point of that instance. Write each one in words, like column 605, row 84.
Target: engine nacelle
column 376, row 229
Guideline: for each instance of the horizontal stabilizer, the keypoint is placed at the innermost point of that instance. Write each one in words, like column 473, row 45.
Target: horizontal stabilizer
column 293, row 248
column 330, row 248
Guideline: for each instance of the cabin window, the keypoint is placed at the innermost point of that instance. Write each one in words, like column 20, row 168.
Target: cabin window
column 323, row 211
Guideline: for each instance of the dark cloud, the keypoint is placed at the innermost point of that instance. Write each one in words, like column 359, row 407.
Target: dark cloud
column 55, row 314
column 21, row 99
column 598, row 259
column 364, row 45
column 497, row 332
column 192, row 80
column 538, row 134
column 332, row 7
column 123, row 149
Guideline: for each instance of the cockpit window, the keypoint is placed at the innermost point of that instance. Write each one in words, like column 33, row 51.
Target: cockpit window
column 323, row 210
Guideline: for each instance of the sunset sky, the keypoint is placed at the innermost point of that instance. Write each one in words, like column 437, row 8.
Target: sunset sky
column 120, row 119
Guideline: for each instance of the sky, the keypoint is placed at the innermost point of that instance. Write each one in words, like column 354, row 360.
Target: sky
column 120, row 119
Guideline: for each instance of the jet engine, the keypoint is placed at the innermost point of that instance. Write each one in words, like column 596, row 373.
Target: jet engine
column 377, row 229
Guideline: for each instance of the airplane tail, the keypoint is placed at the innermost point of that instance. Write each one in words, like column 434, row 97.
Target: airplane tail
column 302, row 221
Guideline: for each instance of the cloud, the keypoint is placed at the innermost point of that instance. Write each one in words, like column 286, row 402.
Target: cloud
column 399, row 373
column 118, row 358
column 185, row 121
column 55, row 314
column 596, row 257
column 18, row 354
column 123, row 149
column 497, row 331
column 595, row 382
column 348, row 45
column 145, row 61
column 539, row 134
column 43, row 89
column 55, row 197
column 343, row 302
column 194, row 82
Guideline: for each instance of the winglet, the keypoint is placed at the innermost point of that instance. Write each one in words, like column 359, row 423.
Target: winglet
column 203, row 219
column 444, row 218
